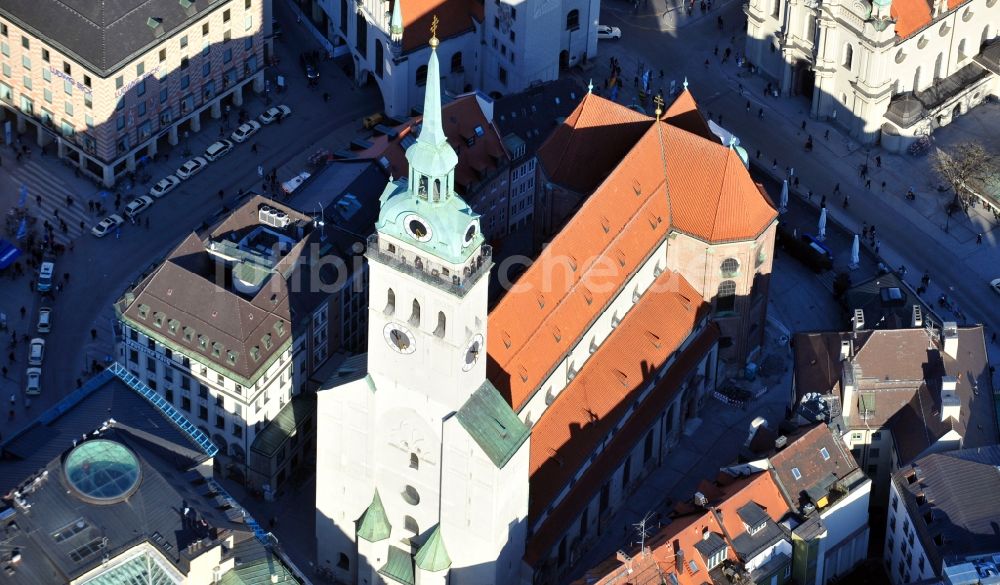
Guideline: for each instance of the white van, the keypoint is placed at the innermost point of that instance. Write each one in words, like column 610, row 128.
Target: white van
column 218, row 150
column 45, row 276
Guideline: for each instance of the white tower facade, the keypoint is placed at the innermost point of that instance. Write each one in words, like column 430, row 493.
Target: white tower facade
column 422, row 467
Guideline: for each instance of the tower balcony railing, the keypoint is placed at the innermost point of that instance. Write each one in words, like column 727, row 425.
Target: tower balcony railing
column 421, row 269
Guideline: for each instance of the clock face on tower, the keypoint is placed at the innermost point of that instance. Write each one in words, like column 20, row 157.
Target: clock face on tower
column 399, row 338
column 472, row 352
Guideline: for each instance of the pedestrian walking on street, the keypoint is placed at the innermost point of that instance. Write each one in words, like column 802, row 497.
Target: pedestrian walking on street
column 253, row 148
column 979, row 238
column 822, row 201
column 836, row 189
column 4, row 371
column 69, row 201
column 13, row 400
column 23, row 312
column 774, row 165
column 222, row 195
column 826, row 135
column 82, row 225
column 748, row 106
column 760, row 113
column 758, row 154
column 878, row 244
column 38, row 200
column 147, row 222
column 878, row 161
column 93, row 334
column 883, row 186
column 868, row 183
column 10, row 357
column 803, row 125
column 847, row 201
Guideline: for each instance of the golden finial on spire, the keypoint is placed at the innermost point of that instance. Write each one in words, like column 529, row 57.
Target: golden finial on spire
column 434, row 29
column 658, row 100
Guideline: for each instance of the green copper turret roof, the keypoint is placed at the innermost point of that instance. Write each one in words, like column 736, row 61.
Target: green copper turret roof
column 432, row 556
column 396, row 25
column 398, row 567
column 373, row 525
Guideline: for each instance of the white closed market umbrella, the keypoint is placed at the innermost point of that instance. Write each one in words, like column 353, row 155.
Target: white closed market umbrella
column 855, row 252
column 783, row 206
column 822, row 223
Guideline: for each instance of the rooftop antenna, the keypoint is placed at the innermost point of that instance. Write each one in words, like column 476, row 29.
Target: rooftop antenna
column 642, row 530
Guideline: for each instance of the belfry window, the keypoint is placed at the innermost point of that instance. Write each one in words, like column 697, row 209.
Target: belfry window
column 415, row 316
column 437, row 189
column 390, row 304
column 422, row 189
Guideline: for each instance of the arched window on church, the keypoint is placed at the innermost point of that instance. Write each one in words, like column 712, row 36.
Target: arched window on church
column 439, row 331
column 390, row 302
column 415, row 315
column 422, row 189
column 725, row 300
column 414, row 461
column 411, row 525
column 437, row 190
column 848, row 56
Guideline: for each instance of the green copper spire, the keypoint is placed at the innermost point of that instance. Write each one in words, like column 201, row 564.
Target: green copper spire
column 396, row 25
column 432, row 556
column 373, row 525
column 432, row 132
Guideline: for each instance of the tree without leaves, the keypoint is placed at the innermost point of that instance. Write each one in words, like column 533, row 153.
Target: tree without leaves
column 968, row 164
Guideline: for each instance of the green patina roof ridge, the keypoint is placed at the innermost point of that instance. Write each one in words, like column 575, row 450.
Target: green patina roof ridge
column 489, row 420
column 399, row 566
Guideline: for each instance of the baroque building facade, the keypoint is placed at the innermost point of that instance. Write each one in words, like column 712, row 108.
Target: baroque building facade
column 497, row 47
column 888, row 71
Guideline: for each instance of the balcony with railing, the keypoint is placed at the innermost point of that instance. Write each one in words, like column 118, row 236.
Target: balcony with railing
column 423, row 270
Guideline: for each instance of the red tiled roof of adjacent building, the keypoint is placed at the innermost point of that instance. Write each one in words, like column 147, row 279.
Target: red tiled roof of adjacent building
column 600, row 394
column 584, row 490
column 460, row 118
column 913, row 15
column 590, row 142
column 686, row 531
column 454, row 18
column 711, row 197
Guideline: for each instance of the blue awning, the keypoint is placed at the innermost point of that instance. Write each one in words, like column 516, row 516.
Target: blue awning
column 8, row 253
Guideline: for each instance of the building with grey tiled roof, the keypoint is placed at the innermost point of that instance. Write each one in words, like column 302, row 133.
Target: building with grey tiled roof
column 943, row 519
column 232, row 324
column 903, row 392
column 105, row 84
column 110, row 486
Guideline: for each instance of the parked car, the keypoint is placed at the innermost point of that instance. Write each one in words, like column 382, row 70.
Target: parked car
column 310, row 67
column 33, row 387
column 137, row 206
column 107, row 224
column 191, row 168
column 44, row 320
column 45, row 276
column 273, row 114
column 217, row 150
column 164, row 186
column 995, row 285
column 608, row 32
column 36, row 351
column 245, row 131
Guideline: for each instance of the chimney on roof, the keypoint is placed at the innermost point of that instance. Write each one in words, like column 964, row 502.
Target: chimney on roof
column 848, row 386
column 951, row 406
column 949, row 338
column 755, row 425
column 780, row 443
column 700, row 499
column 858, row 320
column 918, row 317
column 846, row 348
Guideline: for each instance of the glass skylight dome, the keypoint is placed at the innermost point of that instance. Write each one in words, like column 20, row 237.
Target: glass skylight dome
column 102, row 471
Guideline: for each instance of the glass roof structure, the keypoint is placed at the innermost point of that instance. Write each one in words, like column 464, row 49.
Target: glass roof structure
column 143, row 569
column 102, row 471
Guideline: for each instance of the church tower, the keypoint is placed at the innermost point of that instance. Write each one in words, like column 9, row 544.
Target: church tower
column 422, row 466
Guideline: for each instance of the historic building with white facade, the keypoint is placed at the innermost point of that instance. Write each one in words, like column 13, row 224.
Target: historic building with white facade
column 399, row 441
column 888, row 70
column 496, row 47
column 604, row 351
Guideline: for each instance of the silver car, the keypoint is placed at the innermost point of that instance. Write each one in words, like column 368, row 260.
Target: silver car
column 191, row 168
column 245, row 131
column 164, row 186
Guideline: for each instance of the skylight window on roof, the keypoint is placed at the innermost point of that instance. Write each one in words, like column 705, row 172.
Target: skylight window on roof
column 824, row 454
column 86, row 550
column 279, row 327
column 203, row 342
column 693, row 566
column 158, row 319
column 173, row 325
column 216, row 349
column 188, row 334
column 556, row 100
column 69, row 531
column 143, row 311
column 255, row 353
column 266, row 340
column 796, row 473
column 231, row 357
column 479, row 131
